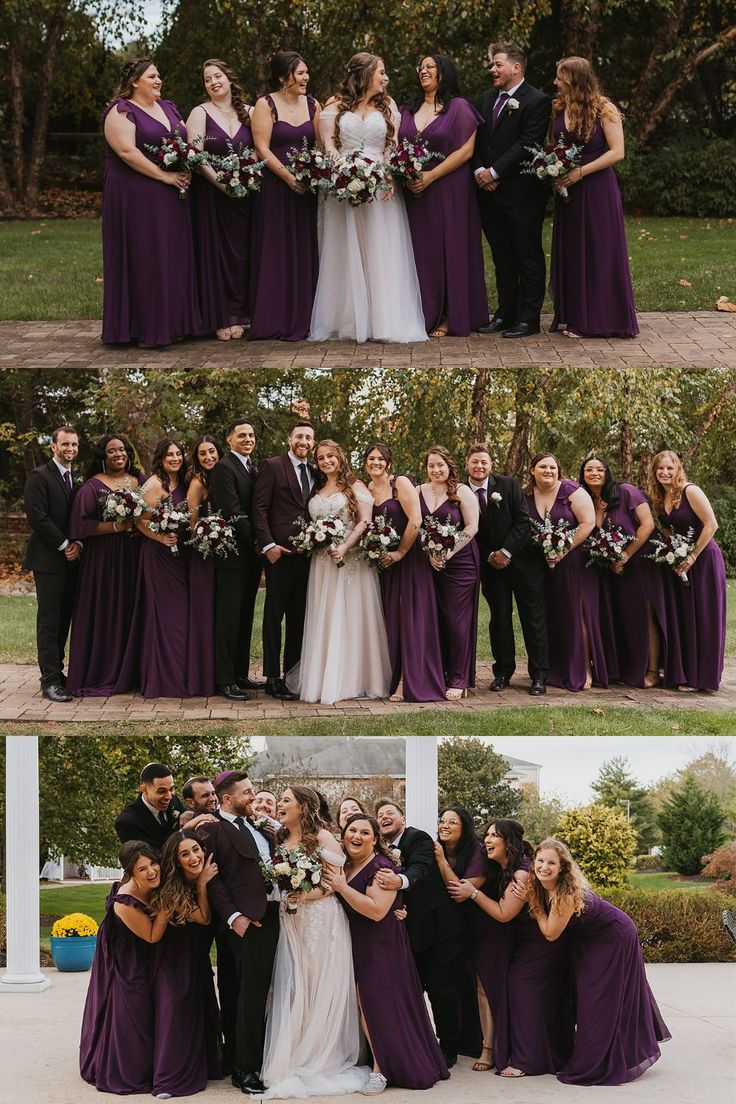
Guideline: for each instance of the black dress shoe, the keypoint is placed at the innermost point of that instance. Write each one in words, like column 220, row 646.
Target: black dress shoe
column 250, row 684
column 500, row 682
column 538, row 687
column 493, row 326
column 56, row 694
column 522, row 329
column 233, row 692
column 248, row 1083
column 277, row 688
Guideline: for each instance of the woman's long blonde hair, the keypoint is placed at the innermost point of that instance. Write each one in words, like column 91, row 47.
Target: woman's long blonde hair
column 655, row 488
column 358, row 76
column 236, row 88
column 345, row 477
column 585, row 101
column 571, row 885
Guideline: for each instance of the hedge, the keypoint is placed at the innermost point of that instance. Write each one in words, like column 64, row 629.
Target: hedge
column 682, row 176
column 723, row 501
column 648, row 863
column 676, row 926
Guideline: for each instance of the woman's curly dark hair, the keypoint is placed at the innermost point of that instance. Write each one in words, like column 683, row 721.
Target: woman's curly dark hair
column 379, row 847
column 159, row 455
column 176, row 894
column 132, row 71
column 97, row 463
column 517, row 849
column 467, row 844
column 310, row 821
column 447, row 86
column 195, row 469
column 610, row 492
column 131, row 852
column 360, row 70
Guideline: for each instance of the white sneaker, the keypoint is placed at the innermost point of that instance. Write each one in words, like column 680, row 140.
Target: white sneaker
column 376, row 1084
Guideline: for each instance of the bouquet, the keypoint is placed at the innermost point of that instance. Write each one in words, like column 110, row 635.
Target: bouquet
column 296, row 872
column 606, row 546
column 214, row 536
column 239, row 170
column 379, row 537
column 553, row 160
column 553, row 537
column 121, row 505
column 310, row 166
column 175, row 154
column 168, row 517
column 437, row 537
column 358, row 178
column 408, row 158
column 318, row 536
column 672, row 549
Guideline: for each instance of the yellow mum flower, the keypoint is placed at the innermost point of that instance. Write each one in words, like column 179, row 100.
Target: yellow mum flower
column 75, row 923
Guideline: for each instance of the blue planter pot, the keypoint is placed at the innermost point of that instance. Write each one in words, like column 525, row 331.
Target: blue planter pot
column 74, row 952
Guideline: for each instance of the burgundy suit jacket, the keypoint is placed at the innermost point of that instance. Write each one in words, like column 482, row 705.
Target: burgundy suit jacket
column 277, row 501
column 238, row 885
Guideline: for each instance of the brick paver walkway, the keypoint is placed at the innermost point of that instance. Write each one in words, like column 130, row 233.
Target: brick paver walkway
column 703, row 339
column 20, row 699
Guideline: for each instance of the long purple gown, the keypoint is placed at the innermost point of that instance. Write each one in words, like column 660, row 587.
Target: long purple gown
column 284, row 258
column 697, row 629
column 150, row 286
column 222, row 227
column 186, row 1013
column 471, row 1037
column 117, row 1041
column 573, row 595
column 590, row 278
column 457, row 599
column 201, row 631
column 102, row 621
column 445, row 226
column 390, row 993
column 412, row 623
column 618, row 1021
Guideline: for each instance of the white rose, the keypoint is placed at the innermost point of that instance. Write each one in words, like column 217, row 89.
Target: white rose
column 316, row 878
column 385, row 539
column 512, row 104
column 355, row 186
column 496, row 497
column 297, row 878
column 212, row 536
column 281, row 868
column 120, row 509
column 670, row 557
column 553, row 170
column 541, row 171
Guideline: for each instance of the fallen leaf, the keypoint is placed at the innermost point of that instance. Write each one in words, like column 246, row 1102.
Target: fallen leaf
column 685, row 283
column 684, row 237
column 598, row 712
column 723, row 304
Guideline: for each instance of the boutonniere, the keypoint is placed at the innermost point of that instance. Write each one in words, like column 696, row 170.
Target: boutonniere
column 175, row 814
column 261, row 822
column 512, row 104
column 497, row 499
column 395, row 854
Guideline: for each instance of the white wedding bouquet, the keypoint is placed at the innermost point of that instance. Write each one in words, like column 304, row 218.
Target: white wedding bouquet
column 380, row 537
column 213, row 536
column 318, row 535
column 554, row 538
column 295, row 872
column 121, row 505
column 169, row 517
column 672, row 549
column 358, row 178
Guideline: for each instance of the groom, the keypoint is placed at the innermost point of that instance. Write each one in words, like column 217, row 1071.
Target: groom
column 512, row 204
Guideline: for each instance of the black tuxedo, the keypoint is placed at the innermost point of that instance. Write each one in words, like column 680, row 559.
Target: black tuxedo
column 236, row 577
column 48, row 506
column 136, row 822
column 504, row 524
column 512, row 214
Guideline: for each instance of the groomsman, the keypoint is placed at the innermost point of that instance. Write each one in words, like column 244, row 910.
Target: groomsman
column 236, row 577
column 512, row 204
column 434, row 924
column 199, row 795
column 510, row 568
column 284, row 486
column 154, row 814
column 52, row 557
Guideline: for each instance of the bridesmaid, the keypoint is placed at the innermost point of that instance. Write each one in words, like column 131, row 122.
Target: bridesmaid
column 394, row 1017
column 149, row 285
column 618, row 1021
column 634, row 586
column 349, row 806
column 116, row 1048
column 221, row 221
column 284, row 258
column 407, row 586
column 458, row 574
column 186, row 1014
column 443, row 215
column 103, row 602
column 576, row 649
column 697, row 629
column 590, row 279
column 201, row 575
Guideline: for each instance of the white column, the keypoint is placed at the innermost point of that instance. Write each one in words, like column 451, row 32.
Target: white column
column 421, row 783
column 23, row 974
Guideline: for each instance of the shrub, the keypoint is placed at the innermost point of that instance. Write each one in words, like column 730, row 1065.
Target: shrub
column 677, row 926
column 723, row 501
column 691, row 821
column 680, row 177
column 602, row 842
column 648, row 863
column 721, row 864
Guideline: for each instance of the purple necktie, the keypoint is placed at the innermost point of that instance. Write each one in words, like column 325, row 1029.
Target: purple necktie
column 68, row 481
column 482, row 498
column 498, row 107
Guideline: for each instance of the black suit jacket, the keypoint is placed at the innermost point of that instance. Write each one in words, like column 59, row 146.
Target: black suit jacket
column 504, row 524
column 136, row 822
column 504, row 147
column 47, row 507
column 238, row 885
column 432, row 915
column 231, row 494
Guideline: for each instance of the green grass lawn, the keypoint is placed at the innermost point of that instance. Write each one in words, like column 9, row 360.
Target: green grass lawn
column 666, row 880
column 87, row 897
column 53, row 269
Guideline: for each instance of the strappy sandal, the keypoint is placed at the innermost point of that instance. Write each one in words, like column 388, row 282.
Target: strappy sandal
column 482, row 1066
column 511, row 1072
column 651, row 679
column 454, row 693
column 236, row 332
column 440, row 331
column 223, row 334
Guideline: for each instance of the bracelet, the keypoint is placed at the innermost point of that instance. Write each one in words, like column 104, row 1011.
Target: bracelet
column 474, row 894
column 115, row 527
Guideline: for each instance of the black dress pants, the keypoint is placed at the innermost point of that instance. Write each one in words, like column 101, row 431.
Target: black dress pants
column 514, row 233
column 286, row 598
column 55, row 600
column 254, row 955
column 236, row 589
column 440, row 968
column 525, row 582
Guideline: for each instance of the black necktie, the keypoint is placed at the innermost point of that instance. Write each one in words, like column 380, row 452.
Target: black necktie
column 239, row 823
column 304, row 480
column 68, row 482
column 162, row 820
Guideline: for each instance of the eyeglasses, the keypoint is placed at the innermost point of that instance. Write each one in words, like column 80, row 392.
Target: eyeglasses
column 426, row 69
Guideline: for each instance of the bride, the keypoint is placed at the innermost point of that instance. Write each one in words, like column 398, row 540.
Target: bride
column 368, row 286
column 344, row 646
column 313, row 1038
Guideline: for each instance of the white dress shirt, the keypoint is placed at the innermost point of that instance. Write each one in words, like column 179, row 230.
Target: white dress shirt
column 263, row 851
column 63, row 471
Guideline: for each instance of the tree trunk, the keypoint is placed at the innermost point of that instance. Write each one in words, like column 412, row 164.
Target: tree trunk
column 43, row 108
column 581, row 28
column 478, row 405
column 627, row 452
column 518, row 451
column 644, row 90
column 7, row 199
column 15, row 81
column 701, row 431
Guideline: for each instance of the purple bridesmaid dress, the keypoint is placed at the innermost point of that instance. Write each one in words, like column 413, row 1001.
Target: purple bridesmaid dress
column 390, row 993
column 573, row 595
column 201, row 631
column 284, row 258
column 470, row 1036
column 618, row 1022
column 150, row 287
column 222, row 239
column 457, row 598
column 445, row 226
column 102, row 622
column 412, row 623
column 697, row 628
column 590, row 278
column 117, row 1040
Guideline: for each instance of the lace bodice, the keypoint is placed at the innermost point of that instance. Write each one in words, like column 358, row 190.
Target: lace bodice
column 368, row 134
column 336, row 505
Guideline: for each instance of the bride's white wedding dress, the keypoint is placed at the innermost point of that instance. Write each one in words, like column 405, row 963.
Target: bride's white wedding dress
column 367, row 286
column 313, row 1037
column 344, row 646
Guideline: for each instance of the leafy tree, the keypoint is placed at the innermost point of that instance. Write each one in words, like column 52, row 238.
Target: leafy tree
column 715, row 771
column 471, row 774
column 691, row 821
column 601, row 841
column 539, row 816
column 617, row 788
